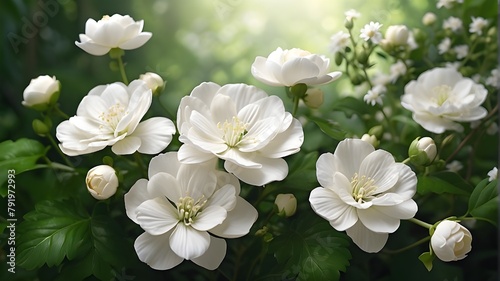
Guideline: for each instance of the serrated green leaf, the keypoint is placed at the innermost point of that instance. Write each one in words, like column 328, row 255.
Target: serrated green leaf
column 312, row 250
column 330, row 128
column 20, row 156
column 302, row 173
column 53, row 231
column 443, row 182
column 483, row 202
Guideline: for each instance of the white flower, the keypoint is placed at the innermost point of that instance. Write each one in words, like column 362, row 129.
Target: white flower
column 397, row 35
column 494, row 78
column 286, row 203
column 412, row 43
column 441, row 97
column 101, row 182
column 371, row 32
column 444, row 46
column 41, row 91
column 493, row 174
column 116, row 31
column 242, row 125
column 371, row 139
column 352, row 14
column 374, row 95
column 363, row 191
column 429, row 18
column 422, row 151
column 452, row 23
column 397, row 70
column 314, row 98
column 181, row 208
column 451, row 241
column 453, row 65
column 477, row 25
column 447, row 3
column 291, row 67
column 492, row 129
column 154, row 81
column 109, row 116
column 339, row 41
column 454, row 166
column 461, row 51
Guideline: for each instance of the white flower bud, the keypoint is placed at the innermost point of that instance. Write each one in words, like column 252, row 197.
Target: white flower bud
column 287, row 204
column 451, row 241
column 397, row 35
column 371, row 139
column 422, row 151
column 429, row 18
column 102, row 182
column 314, row 98
column 41, row 92
column 154, row 82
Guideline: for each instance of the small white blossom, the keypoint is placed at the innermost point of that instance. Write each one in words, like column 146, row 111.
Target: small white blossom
column 429, row 18
column 352, row 14
column 41, row 91
column 477, row 25
column 452, row 23
column 371, row 32
column 461, row 51
column 444, row 46
column 447, row 3
column 493, row 174
column 375, row 94
column 492, row 129
column 451, row 241
column 453, row 65
column 454, row 166
column 339, row 41
column 380, row 78
column 494, row 78
column 412, row 43
column 101, row 182
column 397, row 70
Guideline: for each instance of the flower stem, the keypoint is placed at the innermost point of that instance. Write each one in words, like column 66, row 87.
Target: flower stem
column 406, row 160
column 122, row 70
column 421, row 223
column 423, row 240
column 63, row 156
column 60, row 112
column 295, row 105
column 140, row 163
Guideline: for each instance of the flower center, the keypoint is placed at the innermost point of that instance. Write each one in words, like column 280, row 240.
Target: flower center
column 105, row 17
column 233, row 131
column 362, row 188
column 112, row 117
column 188, row 209
column 441, row 93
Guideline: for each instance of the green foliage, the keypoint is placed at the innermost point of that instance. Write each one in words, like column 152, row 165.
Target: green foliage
column 426, row 258
column 20, row 155
column 443, row 182
column 311, row 250
column 302, row 171
column 483, row 202
column 329, row 127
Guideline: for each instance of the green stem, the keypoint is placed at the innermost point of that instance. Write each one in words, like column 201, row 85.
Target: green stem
column 63, row 156
column 295, row 105
column 122, row 70
column 139, row 162
column 60, row 112
column 421, row 241
column 421, row 223
column 406, row 160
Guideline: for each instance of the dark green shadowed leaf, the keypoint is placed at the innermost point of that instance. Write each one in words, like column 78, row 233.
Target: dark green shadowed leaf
column 483, row 202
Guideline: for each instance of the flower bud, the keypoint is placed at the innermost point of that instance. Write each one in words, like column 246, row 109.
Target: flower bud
column 154, row 82
column 451, row 241
column 376, row 131
column 397, row 35
column 371, row 139
column 422, row 151
column 314, row 98
column 348, row 24
column 287, row 204
column 102, row 182
column 41, row 92
column 40, row 128
column 429, row 18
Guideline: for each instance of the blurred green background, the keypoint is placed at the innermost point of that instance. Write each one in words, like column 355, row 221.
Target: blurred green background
column 193, row 41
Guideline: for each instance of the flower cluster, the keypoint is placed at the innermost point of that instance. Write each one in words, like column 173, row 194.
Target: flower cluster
column 235, row 177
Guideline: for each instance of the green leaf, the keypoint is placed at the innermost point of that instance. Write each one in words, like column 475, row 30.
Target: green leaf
column 20, row 156
column 53, row 231
column 302, row 173
column 351, row 105
column 311, row 250
column 328, row 127
column 427, row 258
column 483, row 202
column 443, row 182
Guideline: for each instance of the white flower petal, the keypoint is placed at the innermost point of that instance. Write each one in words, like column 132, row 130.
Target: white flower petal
column 325, row 169
column 209, row 217
column 366, row 240
column 350, row 153
column 379, row 166
column 157, row 216
column 190, row 154
column 136, row 41
column 404, row 210
column 286, row 143
column 271, row 170
column 135, row 197
column 92, row 48
column 377, row 221
column 299, row 69
column 329, row 206
column 164, row 163
column 188, row 242
column 224, row 197
column 155, row 134
column 238, row 221
column 164, row 185
column 214, row 255
column 156, row 252
column 197, row 181
column 126, row 146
